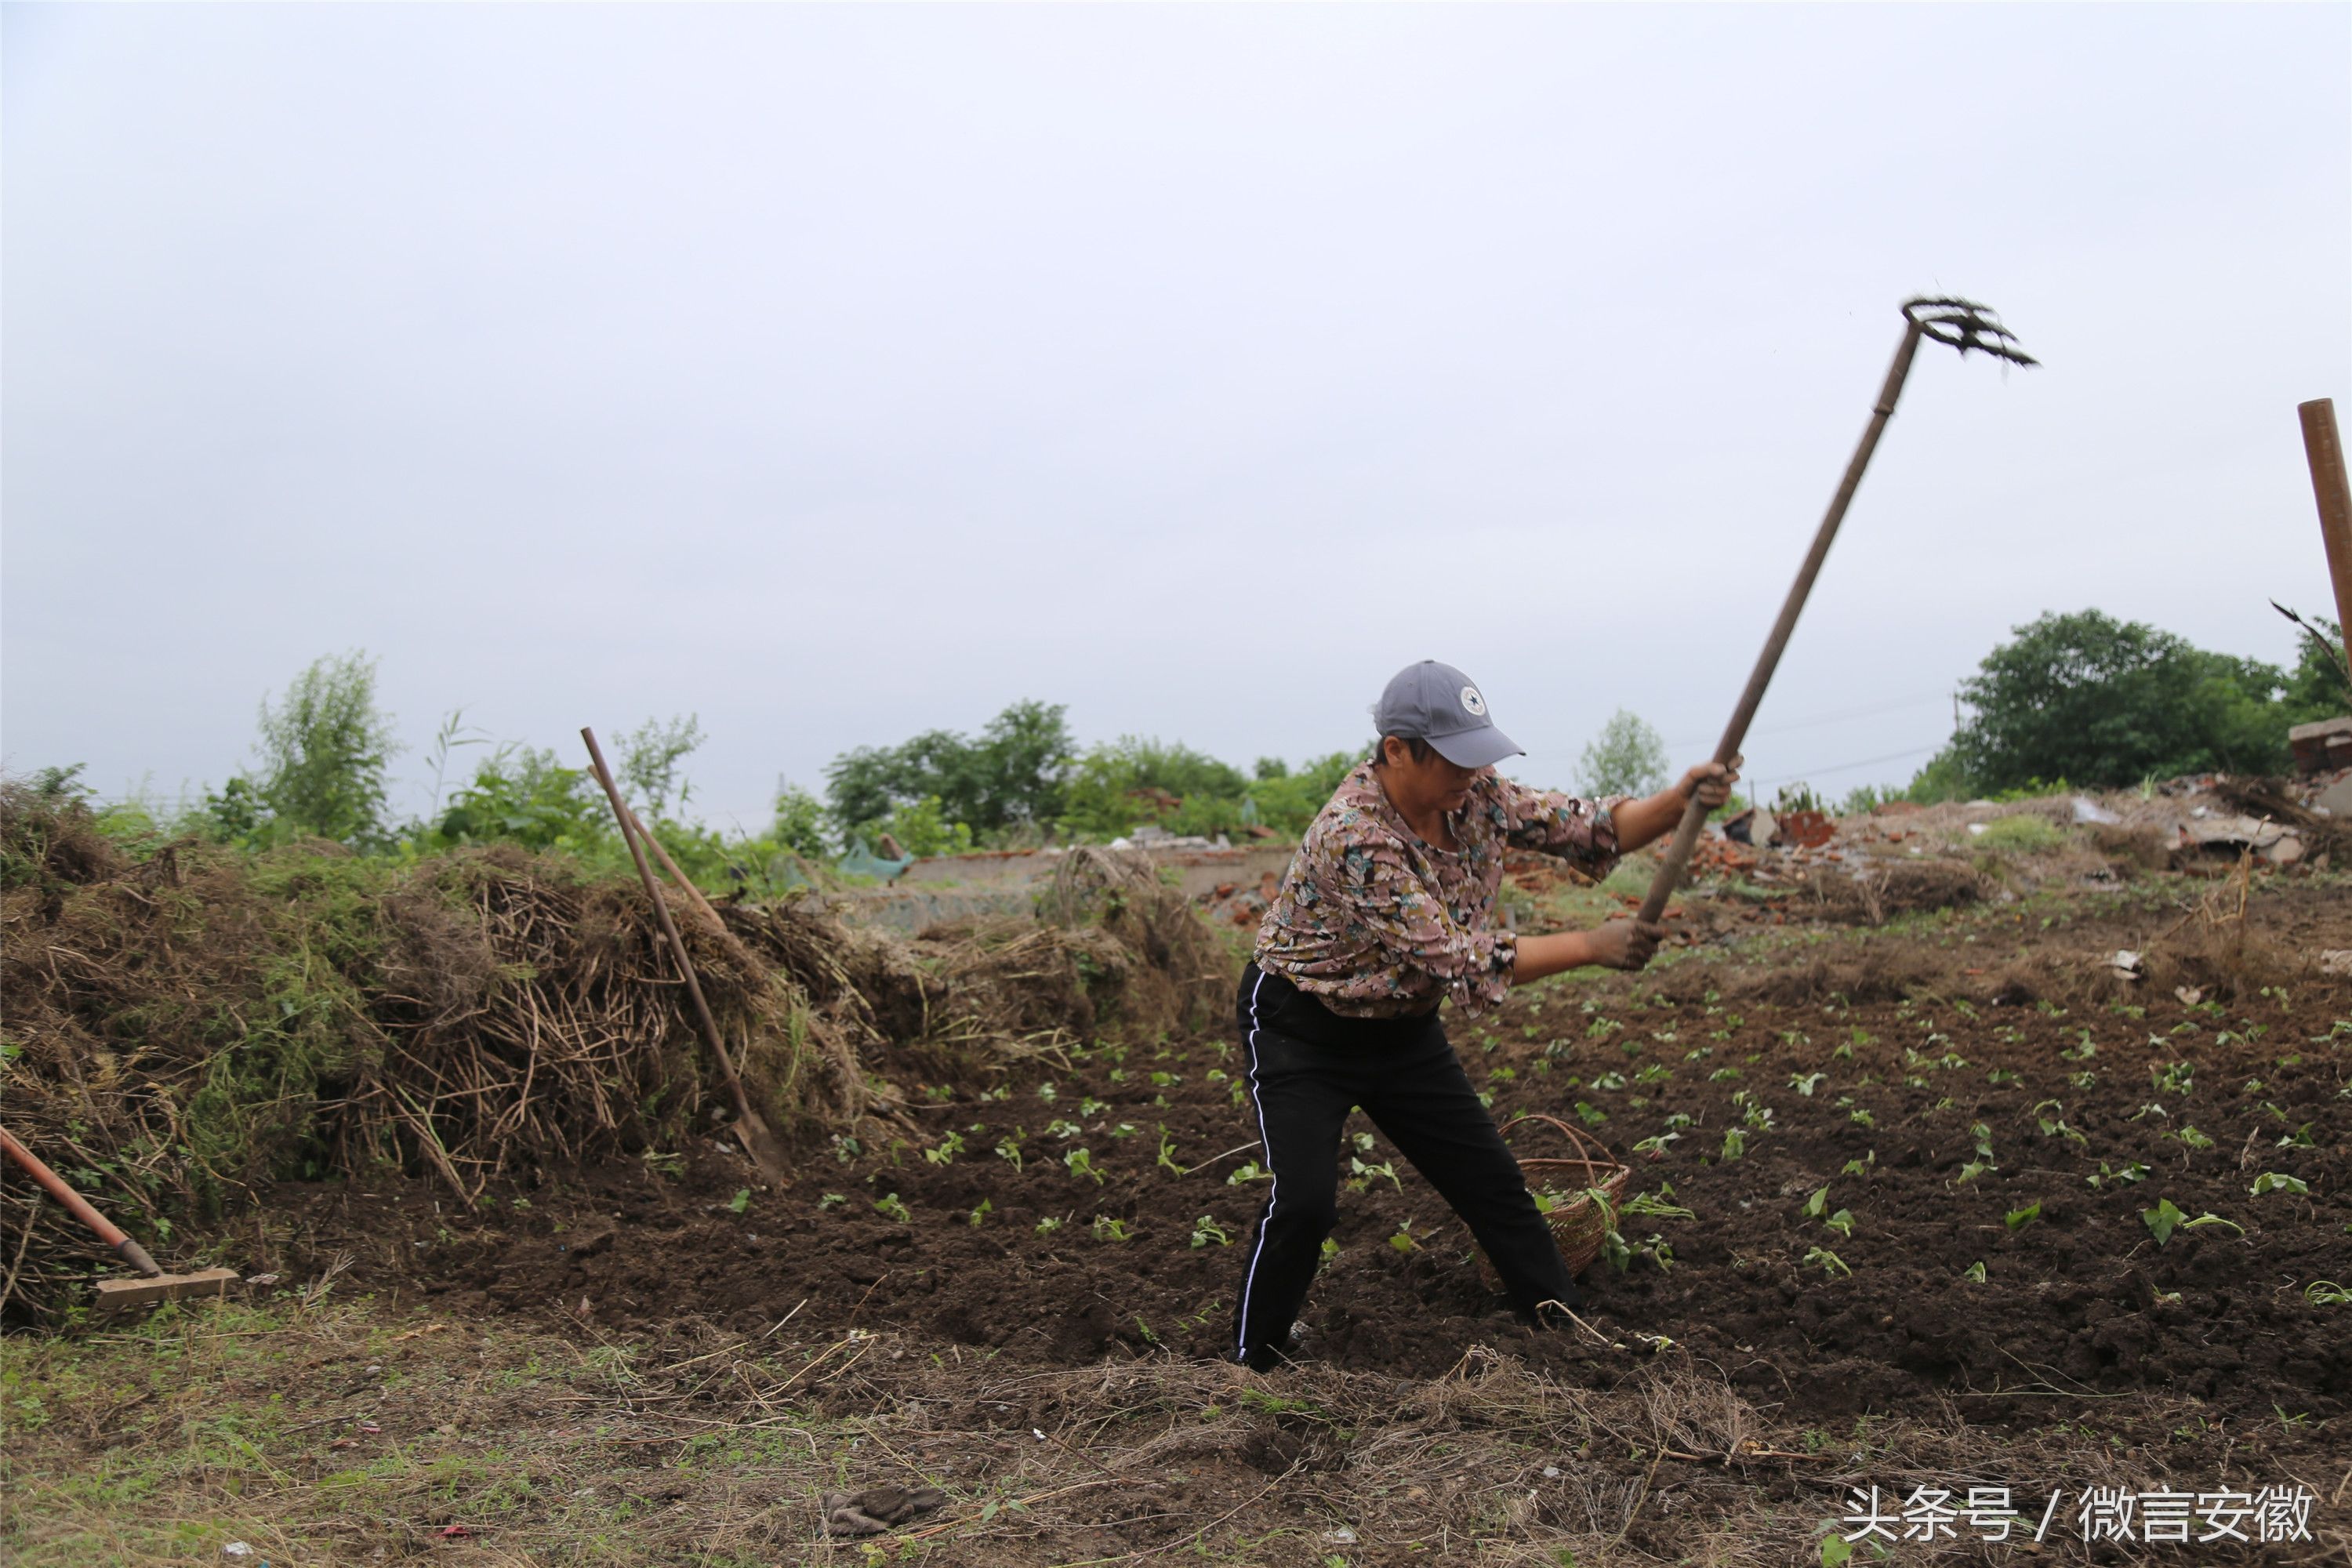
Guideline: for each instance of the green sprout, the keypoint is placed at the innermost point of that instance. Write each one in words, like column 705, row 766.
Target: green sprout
column 890, row 1207
column 1206, row 1232
column 1082, row 1164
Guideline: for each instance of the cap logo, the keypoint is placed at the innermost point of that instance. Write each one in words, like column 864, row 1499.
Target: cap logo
column 1472, row 703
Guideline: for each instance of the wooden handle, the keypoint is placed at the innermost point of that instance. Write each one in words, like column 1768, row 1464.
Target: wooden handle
column 1685, row 839
column 79, row 1206
column 627, row 820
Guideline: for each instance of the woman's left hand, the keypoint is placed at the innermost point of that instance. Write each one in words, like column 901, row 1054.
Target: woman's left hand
column 1711, row 782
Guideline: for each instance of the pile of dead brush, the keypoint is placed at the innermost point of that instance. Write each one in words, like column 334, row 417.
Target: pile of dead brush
column 182, row 1031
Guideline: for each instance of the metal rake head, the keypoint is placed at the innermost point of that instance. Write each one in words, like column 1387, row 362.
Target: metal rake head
column 1965, row 325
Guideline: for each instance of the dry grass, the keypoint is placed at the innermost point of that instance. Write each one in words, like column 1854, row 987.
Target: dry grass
column 166, row 1440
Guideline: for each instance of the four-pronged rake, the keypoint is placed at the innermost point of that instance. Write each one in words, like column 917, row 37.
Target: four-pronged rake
column 1962, row 324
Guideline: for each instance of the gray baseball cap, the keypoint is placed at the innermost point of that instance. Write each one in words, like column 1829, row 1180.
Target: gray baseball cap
column 1438, row 703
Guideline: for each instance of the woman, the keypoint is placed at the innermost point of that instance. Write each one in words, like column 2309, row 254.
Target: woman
column 1385, row 912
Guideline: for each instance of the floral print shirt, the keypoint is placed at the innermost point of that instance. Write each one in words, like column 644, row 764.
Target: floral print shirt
column 1375, row 923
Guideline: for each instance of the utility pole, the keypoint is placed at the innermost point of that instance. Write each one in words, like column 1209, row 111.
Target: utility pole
column 2325, row 449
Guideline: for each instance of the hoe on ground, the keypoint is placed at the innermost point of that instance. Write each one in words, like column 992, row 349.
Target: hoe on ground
column 116, row 1295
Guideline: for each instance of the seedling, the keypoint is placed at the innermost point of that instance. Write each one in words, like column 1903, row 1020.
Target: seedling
column 2164, row 1219
column 1403, row 1239
column 2018, row 1219
column 740, row 1201
column 1735, row 1144
column 891, row 1208
column 1606, row 1080
column 1330, row 1249
column 944, row 1151
column 1862, row 1116
column 1806, row 1082
column 1166, row 1079
column 1655, row 1147
column 831, row 1201
column 1840, row 1222
column 1092, row 1107
column 1656, row 1072
column 1008, row 1148
column 1047, row 1092
column 1828, row 1262
column 982, row 1212
column 1974, row 1273
column 2190, row 1136
column 1064, row 1129
column 2173, row 1077
column 2327, row 1293
column 1168, row 1152
column 1049, row 1224
column 1082, row 1164
column 1591, row 1115
column 1860, row 1167
column 1362, row 1174
column 2278, row 1182
column 2132, row 1172
column 1206, row 1232
column 1721, row 1075
column 1818, row 1205
column 1248, row 1170
column 1106, row 1228
column 1970, row 1172
column 1364, row 1142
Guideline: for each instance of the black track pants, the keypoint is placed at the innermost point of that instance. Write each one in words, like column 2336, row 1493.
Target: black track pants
column 1307, row 1067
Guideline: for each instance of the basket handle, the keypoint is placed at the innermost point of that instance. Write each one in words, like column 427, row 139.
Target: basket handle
column 1586, row 1147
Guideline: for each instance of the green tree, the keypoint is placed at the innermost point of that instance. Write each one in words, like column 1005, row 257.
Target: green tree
column 921, row 828
column 1626, row 758
column 1287, row 800
column 523, row 796
column 323, row 751
column 799, row 822
column 2318, row 686
column 650, row 757
column 1015, row 773
column 2094, row 700
column 1133, row 780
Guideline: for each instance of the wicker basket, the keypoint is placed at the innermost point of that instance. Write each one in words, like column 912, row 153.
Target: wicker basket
column 1579, row 1225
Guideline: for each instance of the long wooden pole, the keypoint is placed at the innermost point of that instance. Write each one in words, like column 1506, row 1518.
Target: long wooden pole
column 2325, row 449
column 1687, row 832
column 669, row 931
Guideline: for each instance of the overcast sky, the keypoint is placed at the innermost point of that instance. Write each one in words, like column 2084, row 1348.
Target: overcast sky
column 836, row 374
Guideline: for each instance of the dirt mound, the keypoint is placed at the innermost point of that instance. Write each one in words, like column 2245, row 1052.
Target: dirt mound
column 185, row 1030
column 1872, row 895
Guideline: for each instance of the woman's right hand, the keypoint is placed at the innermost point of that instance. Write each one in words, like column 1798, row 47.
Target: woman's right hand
column 1625, row 944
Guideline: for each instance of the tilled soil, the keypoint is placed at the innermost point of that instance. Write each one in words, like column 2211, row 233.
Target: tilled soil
column 1936, row 1124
